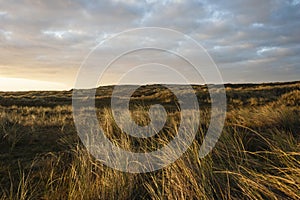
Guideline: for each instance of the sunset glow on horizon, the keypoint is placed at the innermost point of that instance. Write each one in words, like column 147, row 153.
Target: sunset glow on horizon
column 20, row 84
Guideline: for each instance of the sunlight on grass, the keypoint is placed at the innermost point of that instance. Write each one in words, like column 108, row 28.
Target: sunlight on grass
column 257, row 156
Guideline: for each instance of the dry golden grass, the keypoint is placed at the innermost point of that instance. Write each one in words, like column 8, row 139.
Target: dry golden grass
column 257, row 156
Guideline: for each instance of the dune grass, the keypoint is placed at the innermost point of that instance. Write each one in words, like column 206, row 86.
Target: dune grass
column 257, row 156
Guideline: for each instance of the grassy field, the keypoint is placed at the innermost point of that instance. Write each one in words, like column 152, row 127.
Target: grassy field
column 257, row 156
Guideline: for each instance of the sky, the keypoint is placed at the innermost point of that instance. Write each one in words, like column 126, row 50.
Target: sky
column 44, row 43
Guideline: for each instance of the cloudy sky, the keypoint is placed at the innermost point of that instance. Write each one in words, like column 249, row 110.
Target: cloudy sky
column 43, row 43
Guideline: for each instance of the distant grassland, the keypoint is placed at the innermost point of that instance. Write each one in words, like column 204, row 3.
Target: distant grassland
column 257, row 156
column 237, row 94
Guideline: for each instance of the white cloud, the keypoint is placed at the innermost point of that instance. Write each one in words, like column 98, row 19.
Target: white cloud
column 6, row 34
column 264, row 50
column 257, row 25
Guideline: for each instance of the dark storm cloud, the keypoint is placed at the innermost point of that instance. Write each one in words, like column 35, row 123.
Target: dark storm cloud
column 243, row 37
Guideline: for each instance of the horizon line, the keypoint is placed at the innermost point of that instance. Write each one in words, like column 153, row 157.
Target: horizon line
column 151, row 84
